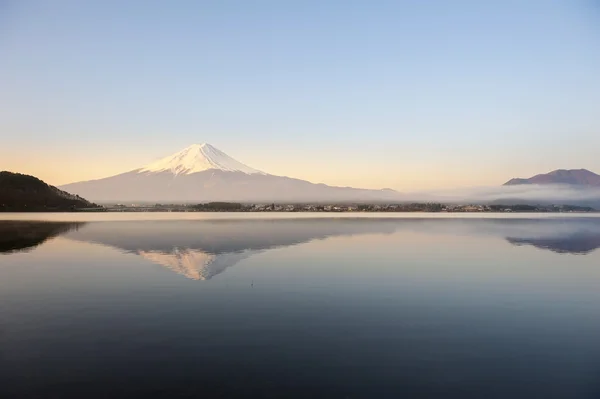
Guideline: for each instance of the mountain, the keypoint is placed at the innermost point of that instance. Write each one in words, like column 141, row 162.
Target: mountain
column 582, row 177
column 202, row 173
column 24, row 193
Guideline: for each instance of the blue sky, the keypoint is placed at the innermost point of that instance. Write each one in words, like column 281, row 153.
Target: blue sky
column 401, row 94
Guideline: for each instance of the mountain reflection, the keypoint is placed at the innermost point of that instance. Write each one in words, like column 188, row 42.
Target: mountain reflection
column 17, row 236
column 200, row 250
column 579, row 237
column 579, row 243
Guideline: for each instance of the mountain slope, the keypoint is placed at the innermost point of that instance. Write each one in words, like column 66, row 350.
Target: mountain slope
column 23, row 193
column 561, row 176
column 203, row 173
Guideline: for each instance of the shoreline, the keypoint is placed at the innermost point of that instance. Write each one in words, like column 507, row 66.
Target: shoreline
column 249, row 216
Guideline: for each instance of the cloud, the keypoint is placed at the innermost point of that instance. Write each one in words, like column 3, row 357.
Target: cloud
column 543, row 193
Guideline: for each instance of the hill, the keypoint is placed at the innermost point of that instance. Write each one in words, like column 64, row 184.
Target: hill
column 582, row 177
column 24, row 193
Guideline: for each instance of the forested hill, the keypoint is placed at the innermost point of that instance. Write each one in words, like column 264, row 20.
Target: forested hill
column 24, row 193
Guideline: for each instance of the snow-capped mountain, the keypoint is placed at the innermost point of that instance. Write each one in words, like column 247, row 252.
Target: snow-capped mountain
column 198, row 158
column 202, row 173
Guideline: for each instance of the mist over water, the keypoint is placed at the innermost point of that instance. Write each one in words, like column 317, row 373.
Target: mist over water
column 532, row 193
column 308, row 307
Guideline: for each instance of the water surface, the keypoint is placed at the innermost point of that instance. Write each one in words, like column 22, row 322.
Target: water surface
column 310, row 307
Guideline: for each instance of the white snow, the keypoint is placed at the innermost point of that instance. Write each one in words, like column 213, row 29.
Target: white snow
column 198, row 158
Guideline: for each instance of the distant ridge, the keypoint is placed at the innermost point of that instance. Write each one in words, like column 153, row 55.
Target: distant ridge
column 24, row 193
column 582, row 177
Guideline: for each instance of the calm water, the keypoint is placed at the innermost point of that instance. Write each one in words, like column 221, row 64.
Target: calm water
column 298, row 308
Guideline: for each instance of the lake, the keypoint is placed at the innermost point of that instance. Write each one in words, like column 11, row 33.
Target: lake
column 299, row 306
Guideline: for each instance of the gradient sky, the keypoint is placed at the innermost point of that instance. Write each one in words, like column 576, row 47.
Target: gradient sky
column 401, row 94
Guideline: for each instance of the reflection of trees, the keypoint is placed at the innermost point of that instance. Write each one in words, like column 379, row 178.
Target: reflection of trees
column 16, row 236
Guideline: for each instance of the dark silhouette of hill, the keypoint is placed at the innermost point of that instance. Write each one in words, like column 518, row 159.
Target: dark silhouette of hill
column 24, row 193
column 17, row 236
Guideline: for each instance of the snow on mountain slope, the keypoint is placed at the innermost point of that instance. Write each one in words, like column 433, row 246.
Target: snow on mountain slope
column 198, row 158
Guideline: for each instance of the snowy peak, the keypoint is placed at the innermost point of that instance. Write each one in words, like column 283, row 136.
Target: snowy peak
column 198, row 158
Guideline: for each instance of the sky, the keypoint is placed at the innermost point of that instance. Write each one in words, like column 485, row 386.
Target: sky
column 410, row 95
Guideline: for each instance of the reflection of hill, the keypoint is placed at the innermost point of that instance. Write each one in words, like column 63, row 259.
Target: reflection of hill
column 572, row 236
column 18, row 236
column 202, row 249
column 579, row 243
column 576, row 235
